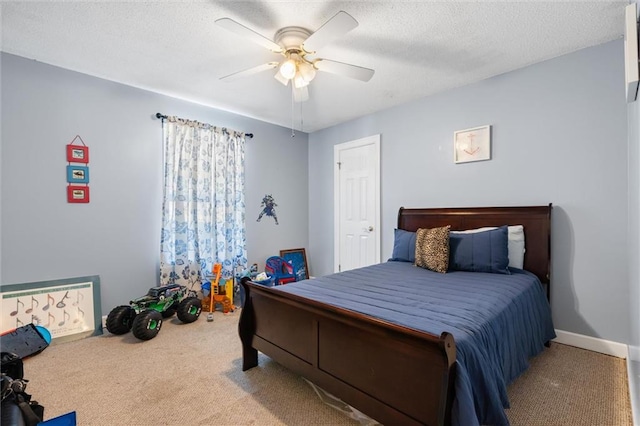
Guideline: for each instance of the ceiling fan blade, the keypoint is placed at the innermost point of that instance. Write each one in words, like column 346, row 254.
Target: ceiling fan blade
column 250, row 71
column 301, row 94
column 340, row 24
column 235, row 27
column 347, row 70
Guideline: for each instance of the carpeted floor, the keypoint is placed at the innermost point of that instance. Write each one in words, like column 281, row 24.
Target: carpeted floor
column 190, row 375
column 571, row 386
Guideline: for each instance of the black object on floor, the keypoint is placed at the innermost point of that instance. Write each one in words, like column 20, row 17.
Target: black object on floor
column 23, row 341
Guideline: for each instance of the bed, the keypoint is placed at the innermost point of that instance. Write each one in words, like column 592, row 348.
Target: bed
column 409, row 356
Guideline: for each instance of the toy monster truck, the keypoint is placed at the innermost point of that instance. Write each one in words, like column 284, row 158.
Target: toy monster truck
column 144, row 315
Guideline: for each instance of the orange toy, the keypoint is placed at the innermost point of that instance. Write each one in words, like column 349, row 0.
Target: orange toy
column 219, row 293
column 223, row 294
column 217, row 270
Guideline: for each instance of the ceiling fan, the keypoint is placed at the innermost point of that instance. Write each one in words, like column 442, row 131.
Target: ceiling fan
column 296, row 44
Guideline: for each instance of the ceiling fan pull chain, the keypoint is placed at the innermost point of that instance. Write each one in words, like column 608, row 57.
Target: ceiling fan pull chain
column 293, row 104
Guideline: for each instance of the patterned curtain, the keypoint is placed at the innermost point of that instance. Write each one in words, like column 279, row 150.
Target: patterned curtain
column 203, row 212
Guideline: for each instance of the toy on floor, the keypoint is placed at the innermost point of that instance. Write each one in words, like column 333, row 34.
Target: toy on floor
column 217, row 270
column 25, row 341
column 281, row 269
column 218, row 293
column 144, row 315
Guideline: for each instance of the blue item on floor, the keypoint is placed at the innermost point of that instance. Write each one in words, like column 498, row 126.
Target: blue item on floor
column 68, row 419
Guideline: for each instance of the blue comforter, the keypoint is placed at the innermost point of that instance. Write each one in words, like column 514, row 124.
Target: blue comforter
column 498, row 321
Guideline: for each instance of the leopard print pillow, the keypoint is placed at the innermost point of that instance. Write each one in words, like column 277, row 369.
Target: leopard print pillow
column 432, row 248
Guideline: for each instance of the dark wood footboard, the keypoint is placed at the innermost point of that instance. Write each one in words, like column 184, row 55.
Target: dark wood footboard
column 394, row 374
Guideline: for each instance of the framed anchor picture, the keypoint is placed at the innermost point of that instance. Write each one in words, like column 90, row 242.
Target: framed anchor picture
column 472, row 144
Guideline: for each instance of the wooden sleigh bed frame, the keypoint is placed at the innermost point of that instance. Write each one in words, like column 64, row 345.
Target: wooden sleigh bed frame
column 394, row 374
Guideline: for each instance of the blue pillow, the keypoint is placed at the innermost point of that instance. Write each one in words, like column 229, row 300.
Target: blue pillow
column 404, row 246
column 486, row 251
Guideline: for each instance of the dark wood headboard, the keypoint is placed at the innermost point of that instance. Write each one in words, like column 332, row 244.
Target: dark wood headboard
column 536, row 221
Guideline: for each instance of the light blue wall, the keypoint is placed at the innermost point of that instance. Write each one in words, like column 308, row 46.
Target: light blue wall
column 634, row 229
column 117, row 234
column 634, row 257
column 559, row 135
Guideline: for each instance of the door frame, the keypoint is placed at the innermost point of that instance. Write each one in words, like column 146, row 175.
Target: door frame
column 369, row 140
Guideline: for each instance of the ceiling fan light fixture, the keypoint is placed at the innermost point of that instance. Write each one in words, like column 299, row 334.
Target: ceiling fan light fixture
column 299, row 81
column 281, row 79
column 288, row 69
column 307, row 71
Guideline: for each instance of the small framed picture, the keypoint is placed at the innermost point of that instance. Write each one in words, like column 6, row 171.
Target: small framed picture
column 77, row 194
column 77, row 154
column 472, row 144
column 77, row 174
column 298, row 258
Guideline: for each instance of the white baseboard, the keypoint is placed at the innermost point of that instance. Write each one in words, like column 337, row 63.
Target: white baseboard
column 606, row 347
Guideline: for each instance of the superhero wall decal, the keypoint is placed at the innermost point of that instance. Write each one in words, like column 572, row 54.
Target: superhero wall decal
column 268, row 208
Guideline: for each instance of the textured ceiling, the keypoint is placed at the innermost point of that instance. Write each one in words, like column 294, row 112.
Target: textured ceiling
column 417, row 48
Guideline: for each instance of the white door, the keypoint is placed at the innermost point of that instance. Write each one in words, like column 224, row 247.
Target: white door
column 357, row 203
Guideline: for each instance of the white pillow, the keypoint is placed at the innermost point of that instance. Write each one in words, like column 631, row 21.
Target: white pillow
column 515, row 243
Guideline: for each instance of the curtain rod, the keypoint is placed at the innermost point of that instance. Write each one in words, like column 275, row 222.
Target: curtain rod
column 162, row 116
